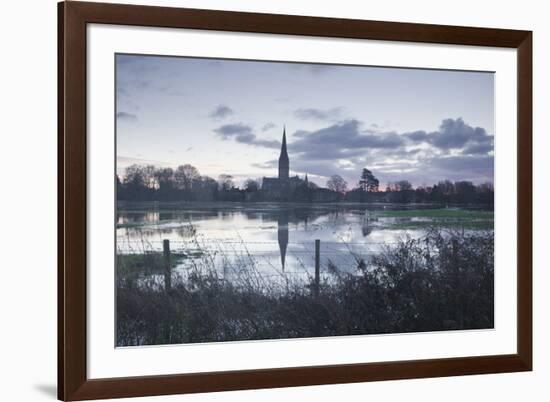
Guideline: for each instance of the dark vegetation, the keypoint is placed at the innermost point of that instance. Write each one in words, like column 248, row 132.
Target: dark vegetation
column 149, row 183
column 443, row 281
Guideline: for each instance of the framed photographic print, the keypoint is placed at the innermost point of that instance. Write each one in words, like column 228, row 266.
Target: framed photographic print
column 254, row 200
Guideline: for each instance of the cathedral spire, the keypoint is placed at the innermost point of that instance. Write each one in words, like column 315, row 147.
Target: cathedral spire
column 284, row 165
column 283, row 146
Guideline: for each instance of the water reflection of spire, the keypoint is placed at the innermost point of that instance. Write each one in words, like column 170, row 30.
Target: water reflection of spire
column 282, row 235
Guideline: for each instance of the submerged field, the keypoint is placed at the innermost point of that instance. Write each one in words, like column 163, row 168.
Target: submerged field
column 282, row 236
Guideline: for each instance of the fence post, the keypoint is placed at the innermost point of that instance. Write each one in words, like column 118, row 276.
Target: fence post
column 167, row 265
column 317, row 265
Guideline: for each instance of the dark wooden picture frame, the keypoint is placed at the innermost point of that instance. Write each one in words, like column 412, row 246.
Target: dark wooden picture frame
column 73, row 383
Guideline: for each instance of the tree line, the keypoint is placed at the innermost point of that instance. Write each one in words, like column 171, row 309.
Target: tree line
column 185, row 183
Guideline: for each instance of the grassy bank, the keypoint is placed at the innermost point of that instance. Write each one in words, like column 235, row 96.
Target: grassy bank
column 442, row 281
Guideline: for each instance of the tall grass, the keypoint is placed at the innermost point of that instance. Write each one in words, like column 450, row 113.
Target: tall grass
column 443, row 281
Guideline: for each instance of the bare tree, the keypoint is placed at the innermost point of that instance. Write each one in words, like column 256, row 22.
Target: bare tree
column 185, row 175
column 149, row 176
column 337, row 183
column 225, row 181
column 135, row 176
column 164, row 177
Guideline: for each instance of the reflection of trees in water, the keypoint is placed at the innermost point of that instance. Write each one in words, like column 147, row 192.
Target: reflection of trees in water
column 142, row 232
column 296, row 213
column 137, row 217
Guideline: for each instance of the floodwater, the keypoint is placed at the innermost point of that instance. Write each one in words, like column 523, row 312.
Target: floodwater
column 275, row 238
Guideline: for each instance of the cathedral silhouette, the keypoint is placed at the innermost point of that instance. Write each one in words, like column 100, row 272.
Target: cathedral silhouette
column 284, row 184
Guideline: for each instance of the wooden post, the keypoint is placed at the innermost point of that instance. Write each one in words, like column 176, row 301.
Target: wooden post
column 317, row 265
column 167, row 265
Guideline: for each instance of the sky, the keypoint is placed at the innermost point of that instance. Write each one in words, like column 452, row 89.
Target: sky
column 227, row 117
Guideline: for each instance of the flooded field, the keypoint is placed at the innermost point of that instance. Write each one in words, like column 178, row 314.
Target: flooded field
column 280, row 238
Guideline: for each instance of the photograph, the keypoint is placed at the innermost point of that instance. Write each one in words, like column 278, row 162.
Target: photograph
column 264, row 200
column 239, row 201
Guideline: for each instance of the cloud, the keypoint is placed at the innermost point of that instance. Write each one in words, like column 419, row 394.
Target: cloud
column 221, row 112
column 125, row 116
column 462, row 162
column 347, row 146
column 243, row 133
column 341, row 140
column 477, row 149
column 318, row 114
column 236, row 130
column 455, row 134
column 417, row 136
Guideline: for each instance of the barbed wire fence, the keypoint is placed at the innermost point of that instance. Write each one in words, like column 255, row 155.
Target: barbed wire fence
column 262, row 259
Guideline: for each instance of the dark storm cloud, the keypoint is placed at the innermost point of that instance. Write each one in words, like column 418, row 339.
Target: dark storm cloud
column 243, row 133
column 221, row 112
column 341, row 140
column 454, row 134
column 317, row 114
column 125, row 116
